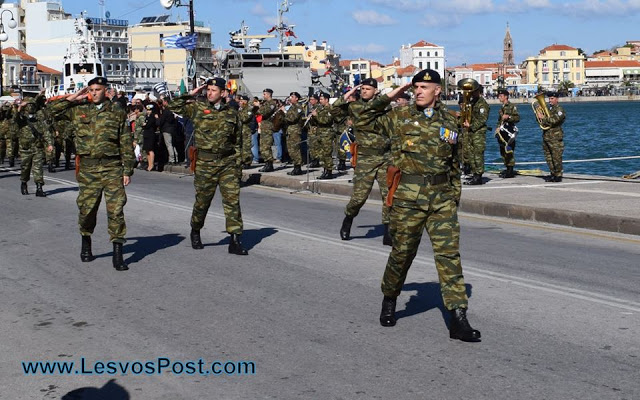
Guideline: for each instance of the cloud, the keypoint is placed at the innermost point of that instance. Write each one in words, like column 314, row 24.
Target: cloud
column 465, row 6
column 371, row 17
column 440, row 21
column 258, row 9
column 371, row 48
column 404, row 5
column 605, row 7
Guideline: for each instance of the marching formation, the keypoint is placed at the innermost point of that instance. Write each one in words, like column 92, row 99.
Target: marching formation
column 415, row 150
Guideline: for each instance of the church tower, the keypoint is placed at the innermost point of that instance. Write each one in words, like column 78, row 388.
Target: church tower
column 507, row 53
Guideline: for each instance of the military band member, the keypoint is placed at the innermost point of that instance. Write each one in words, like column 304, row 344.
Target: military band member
column 553, row 137
column 267, row 109
column 477, row 136
column 508, row 117
column 218, row 136
column 424, row 150
column 313, row 142
column 104, row 151
column 246, row 114
column 294, row 117
column 373, row 154
column 323, row 118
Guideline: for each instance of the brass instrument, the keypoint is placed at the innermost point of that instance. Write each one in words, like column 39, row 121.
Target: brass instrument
column 540, row 105
column 468, row 86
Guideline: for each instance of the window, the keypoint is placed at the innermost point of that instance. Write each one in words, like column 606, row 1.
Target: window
column 108, row 33
column 153, row 73
column 563, row 53
column 577, row 76
column 117, row 50
column 428, row 64
column 137, row 73
column 109, row 67
column 420, row 65
column 436, row 65
column 556, row 77
column 545, row 77
column 566, row 65
column 354, row 66
column 577, row 63
column 555, row 65
column 388, row 78
column 419, row 54
column 99, row 33
column 118, row 67
column 565, row 76
column 544, row 64
column 109, row 50
column 116, row 34
column 436, row 56
column 363, row 66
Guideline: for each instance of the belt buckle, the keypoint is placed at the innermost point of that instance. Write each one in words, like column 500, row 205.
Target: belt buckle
column 428, row 179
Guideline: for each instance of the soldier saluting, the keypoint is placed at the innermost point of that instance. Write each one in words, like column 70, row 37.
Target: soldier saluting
column 218, row 133
column 104, row 153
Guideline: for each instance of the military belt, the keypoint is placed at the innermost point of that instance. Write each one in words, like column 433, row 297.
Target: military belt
column 425, row 179
column 208, row 155
column 87, row 161
column 371, row 151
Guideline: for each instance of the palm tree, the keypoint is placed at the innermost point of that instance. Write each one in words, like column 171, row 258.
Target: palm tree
column 564, row 86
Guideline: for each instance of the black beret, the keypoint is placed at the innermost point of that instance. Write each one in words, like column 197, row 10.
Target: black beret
column 370, row 82
column 316, row 96
column 552, row 94
column 268, row 90
column 219, row 82
column 325, row 95
column 244, row 97
column 98, row 80
column 426, row 75
column 295, row 94
column 405, row 96
column 503, row 91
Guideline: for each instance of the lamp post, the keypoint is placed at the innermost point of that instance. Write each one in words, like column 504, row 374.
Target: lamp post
column 178, row 3
column 3, row 38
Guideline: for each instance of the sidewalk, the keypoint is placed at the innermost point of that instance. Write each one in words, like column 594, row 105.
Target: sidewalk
column 581, row 201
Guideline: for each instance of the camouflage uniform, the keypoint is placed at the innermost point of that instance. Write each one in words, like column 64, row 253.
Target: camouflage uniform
column 33, row 136
column 511, row 110
column 325, row 135
column 105, row 150
column 373, row 155
column 426, row 197
column 477, row 136
column 138, row 136
column 217, row 133
column 6, row 132
column 552, row 139
column 313, row 140
column 267, row 110
column 294, row 119
column 246, row 115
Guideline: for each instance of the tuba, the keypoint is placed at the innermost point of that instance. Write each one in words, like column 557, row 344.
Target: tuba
column 538, row 104
column 468, row 86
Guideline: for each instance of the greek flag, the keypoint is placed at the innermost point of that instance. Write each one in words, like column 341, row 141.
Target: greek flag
column 161, row 88
column 187, row 42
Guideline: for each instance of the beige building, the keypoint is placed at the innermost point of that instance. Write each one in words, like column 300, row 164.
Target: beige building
column 555, row 64
column 316, row 55
column 147, row 48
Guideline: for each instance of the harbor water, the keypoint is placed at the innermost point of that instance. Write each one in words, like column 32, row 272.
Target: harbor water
column 591, row 130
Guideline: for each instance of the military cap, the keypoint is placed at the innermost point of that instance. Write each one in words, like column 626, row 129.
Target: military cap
column 98, row 80
column 244, row 97
column 268, row 90
column 552, row 94
column 316, row 96
column 295, row 94
column 370, row 82
column 426, row 75
column 503, row 91
column 325, row 95
column 405, row 96
column 149, row 107
column 219, row 82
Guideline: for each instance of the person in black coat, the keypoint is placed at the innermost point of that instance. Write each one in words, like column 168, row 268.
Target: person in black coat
column 168, row 127
column 149, row 129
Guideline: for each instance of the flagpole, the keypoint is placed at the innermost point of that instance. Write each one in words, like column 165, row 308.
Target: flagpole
column 193, row 52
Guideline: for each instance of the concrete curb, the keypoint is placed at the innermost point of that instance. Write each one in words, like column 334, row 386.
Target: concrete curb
column 574, row 219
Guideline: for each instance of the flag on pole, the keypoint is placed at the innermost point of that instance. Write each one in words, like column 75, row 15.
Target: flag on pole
column 162, row 89
column 187, row 42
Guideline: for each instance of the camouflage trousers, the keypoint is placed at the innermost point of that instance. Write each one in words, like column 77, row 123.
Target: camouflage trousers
column 247, row 156
column 293, row 145
column 93, row 181
column 6, row 146
column 32, row 160
column 440, row 218
column 208, row 176
column 325, row 152
column 266, row 140
column 553, row 147
column 475, row 153
column 368, row 169
column 313, row 141
column 464, row 149
column 509, row 158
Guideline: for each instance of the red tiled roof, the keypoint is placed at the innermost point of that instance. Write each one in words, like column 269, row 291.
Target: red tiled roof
column 407, row 71
column 46, row 70
column 380, row 79
column 481, row 67
column 557, row 47
column 423, row 43
column 612, row 64
column 12, row 51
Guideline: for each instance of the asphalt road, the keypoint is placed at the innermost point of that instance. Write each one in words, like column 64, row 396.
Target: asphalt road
column 558, row 308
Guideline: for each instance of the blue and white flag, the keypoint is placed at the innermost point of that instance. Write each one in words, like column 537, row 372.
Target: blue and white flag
column 187, row 42
column 161, row 88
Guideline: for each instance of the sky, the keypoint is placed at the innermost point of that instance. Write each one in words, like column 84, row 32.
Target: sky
column 471, row 31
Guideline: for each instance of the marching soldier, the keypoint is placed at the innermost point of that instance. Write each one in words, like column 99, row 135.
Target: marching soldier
column 246, row 115
column 267, row 110
column 424, row 151
column 294, row 119
column 324, row 121
column 372, row 154
column 477, row 136
column 508, row 117
column 104, row 151
column 34, row 134
column 6, row 134
column 552, row 137
column 218, row 137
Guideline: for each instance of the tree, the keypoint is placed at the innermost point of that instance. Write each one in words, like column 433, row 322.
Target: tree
column 564, row 86
column 581, row 52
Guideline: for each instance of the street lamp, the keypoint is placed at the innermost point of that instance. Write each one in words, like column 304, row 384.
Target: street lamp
column 178, row 3
column 3, row 38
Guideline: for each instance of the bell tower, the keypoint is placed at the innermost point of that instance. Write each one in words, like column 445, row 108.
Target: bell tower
column 507, row 52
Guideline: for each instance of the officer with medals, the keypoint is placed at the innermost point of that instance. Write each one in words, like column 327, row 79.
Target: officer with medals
column 218, row 138
column 553, row 137
column 506, row 132
column 425, row 195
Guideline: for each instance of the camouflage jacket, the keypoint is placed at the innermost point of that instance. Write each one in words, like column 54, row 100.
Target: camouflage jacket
column 418, row 146
column 246, row 114
column 267, row 109
column 340, row 116
column 367, row 131
column 36, row 133
column 216, row 130
column 137, row 132
column 100, row 132
column 555, row 119
column 511, row 110
column 479, row 116
column 324, row 119
column 294, row 118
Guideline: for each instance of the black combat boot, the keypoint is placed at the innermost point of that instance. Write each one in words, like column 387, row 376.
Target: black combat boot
column 67, row 164
column 235, row 247
column 196, row 241
column 466, row 169
column 327, row 174
column 23, row 188
column 342, row 166
column 345, row 230
column 39, row 191
column 503, row 173
column 557, row 179
column 1, row 160
column 510, row 173
column 85, row 253
column 51, row 167
column 268, row 167
column 12, row 161
column 297, row 170
column 386, row 238
column 475, row 180
column 314, row 163
column 246, row 166
column 388, row 313
column 459, row 327
column 118, row 262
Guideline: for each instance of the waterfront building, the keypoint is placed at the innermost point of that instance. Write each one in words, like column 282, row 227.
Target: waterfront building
column 112, row 38
column 21, row 70
column 316, row 55
column 555, row 64
column 355, row 71
column 48, row 77
column 423, row 55
column 599, row 74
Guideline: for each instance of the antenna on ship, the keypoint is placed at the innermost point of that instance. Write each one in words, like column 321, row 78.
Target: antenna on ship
column 283, row 8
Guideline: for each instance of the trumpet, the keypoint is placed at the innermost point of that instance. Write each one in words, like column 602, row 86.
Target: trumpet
column 539, row 105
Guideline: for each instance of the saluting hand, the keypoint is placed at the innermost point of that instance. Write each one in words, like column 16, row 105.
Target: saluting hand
column 197, row 90
column 79, row 95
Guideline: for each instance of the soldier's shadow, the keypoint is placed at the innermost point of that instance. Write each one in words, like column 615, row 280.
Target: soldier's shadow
column 427, row 297
column 62, row 190
column 110, row 391
column 374, row 231
column 144, row 246
column 250, row 237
